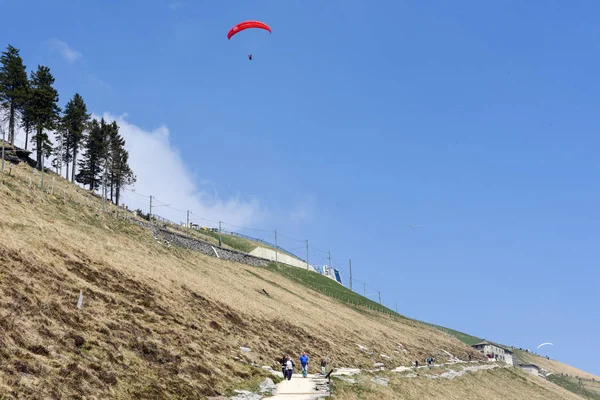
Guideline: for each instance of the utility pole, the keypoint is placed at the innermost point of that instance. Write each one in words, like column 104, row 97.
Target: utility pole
column 329, row 258
column 220, row 240
column 276, row 247
column 3, row 139
column 187, row 224
column 350, row 261
column 150, row 213
column 307, row 254
column 378, row 292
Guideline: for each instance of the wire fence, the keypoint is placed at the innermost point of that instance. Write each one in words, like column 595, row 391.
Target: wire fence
column 318, row 259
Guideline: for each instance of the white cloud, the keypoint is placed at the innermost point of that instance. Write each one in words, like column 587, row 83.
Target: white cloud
column 68, row 53
column 162, row 173
column 304, row 210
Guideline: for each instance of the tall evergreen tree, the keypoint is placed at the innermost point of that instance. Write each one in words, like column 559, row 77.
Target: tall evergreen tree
column 27, row 122
column 13, row 87
column 122, row 174
column 93, row 161
column 76, row 120
column 119, row 172
column 44, row 109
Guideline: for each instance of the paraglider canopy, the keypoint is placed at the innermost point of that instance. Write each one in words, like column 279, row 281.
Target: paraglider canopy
column 246, row 25
column 543, row 344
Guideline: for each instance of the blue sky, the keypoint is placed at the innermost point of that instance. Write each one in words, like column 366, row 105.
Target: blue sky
column 477, row 119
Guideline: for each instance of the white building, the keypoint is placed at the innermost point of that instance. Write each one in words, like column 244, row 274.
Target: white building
column 332, row 273
column 531, row 368
column 495, row 352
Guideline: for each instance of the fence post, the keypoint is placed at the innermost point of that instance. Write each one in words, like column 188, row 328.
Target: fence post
column 307, row 254
column 276, row 247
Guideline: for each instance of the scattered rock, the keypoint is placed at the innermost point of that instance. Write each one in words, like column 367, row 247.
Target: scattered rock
column 346, row 379
column 378, row 365
column 386, row 357
column 267, row 386
column 245, row 349
column 380, row 381
column 360, row 346
column 346, row 371
column 246, row 395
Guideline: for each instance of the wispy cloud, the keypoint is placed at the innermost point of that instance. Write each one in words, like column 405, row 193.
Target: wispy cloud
column 66, row 51
column 304, row 210
column 162, row 173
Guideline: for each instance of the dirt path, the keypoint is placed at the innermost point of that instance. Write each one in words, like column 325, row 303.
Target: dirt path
column 299, row 388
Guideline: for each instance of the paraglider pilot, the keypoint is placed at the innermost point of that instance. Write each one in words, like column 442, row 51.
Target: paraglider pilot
column 250, row 57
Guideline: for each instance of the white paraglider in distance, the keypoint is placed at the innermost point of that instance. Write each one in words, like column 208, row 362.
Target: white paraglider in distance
column 543, row 344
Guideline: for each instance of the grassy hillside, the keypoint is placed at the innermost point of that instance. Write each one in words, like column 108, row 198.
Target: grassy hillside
column 584, row 388
column 496, row 384
column 168, row 323
column 339, row 292
column 552, row 365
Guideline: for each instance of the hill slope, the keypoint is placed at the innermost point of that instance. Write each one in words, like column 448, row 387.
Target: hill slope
column 160, row 321
column 552, row 365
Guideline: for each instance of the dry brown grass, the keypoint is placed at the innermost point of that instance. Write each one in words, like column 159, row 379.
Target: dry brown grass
column 499, row 383
column 553, row 366
column 158, row 322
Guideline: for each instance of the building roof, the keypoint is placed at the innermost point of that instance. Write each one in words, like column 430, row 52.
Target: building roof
column 485, row 343
column 529, row 365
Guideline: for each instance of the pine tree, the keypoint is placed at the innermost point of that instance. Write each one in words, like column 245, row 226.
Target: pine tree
column 27, row 122
column 96, row 147
column 44, row 110
column 76, row 120
column 122, row 173
column 13, row 86
column 119, row 171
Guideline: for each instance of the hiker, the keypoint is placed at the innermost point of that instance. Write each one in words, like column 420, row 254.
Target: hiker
column 323, row 365
column 289, row 369
column 416, row 363
column 469, row 357
column 282, row 361
column 304, row 363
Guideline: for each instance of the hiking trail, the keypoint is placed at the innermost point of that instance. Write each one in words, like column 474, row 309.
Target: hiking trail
column 298, row 388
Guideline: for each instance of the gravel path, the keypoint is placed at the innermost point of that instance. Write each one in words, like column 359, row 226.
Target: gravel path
column 299, row 388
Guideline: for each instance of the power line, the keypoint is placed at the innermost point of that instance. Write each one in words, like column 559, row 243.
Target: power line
column 245, row 228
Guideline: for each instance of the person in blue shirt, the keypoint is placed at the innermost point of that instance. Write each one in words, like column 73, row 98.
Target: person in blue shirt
column 304, row 363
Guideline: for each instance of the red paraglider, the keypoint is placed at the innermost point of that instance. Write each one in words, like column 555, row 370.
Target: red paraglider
column 246, row 25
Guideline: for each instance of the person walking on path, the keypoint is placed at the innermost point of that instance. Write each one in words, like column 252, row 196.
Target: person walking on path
column 282, row 361
column 289, row 369
column 304, row 363
column 323, row 365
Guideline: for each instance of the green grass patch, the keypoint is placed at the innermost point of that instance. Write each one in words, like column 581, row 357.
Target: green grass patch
column 463, row 337
column 236, row 243
column 572, row 385
column 331, row 288
column 328, row 287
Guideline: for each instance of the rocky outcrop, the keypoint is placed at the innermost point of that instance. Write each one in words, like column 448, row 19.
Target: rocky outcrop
column 16, row 155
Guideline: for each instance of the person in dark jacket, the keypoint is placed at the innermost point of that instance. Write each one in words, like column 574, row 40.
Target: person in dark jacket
column 282, row 361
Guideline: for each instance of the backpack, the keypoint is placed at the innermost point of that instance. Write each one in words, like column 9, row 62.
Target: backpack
column 289, row 365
